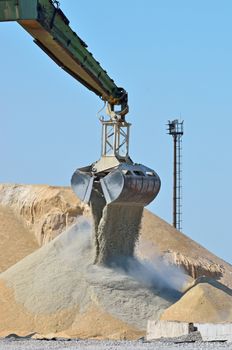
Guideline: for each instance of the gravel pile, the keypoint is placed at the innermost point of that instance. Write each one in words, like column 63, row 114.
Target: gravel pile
column 12, row 344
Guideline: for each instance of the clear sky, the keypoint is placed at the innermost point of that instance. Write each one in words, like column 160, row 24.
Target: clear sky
column 173, row 57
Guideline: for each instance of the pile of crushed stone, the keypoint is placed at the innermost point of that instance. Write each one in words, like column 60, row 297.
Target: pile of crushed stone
column 57, row 289
column 207, row 301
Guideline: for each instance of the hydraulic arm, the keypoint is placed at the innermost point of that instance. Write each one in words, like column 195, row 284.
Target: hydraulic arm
column 115, row 176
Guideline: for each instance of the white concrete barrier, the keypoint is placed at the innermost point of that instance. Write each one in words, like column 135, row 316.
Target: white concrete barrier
column 166, row 329
column 215, row 331
column 173, row 329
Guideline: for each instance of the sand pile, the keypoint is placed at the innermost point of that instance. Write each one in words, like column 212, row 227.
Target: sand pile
column 49, row 210
column 16, row 241
column 207, row 301
column 182, row 251
column 58, row 289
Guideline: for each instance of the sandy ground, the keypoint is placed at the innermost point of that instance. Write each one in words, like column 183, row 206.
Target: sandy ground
column 8, row 344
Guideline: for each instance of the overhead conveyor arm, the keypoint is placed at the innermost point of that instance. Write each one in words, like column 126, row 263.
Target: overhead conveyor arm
column 47, row 24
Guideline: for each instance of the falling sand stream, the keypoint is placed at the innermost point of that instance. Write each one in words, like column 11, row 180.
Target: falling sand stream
column 116, row 229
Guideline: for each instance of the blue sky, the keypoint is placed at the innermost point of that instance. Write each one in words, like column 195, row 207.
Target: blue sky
column 173, row 57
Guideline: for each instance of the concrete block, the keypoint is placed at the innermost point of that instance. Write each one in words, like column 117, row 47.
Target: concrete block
column 215, row 331
column 167, row 329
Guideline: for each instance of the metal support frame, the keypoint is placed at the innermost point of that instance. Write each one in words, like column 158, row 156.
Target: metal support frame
column 115, row 138
column 176, row 129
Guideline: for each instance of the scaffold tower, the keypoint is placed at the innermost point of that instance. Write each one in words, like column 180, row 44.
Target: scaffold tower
column 176, row 129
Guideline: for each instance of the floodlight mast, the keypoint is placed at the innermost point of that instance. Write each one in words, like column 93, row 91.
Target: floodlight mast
column 176, row 130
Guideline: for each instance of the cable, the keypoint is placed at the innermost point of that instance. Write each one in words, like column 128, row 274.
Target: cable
column 101, row 110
